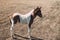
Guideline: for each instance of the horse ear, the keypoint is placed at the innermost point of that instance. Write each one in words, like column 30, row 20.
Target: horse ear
column 37, row 6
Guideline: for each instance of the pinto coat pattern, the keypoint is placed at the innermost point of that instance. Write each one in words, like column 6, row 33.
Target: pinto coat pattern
column 27, row 19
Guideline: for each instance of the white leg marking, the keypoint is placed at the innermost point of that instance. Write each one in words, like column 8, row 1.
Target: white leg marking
column 11, row 29
column 29, row 33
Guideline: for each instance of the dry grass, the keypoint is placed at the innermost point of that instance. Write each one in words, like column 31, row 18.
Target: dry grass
column 46, row 28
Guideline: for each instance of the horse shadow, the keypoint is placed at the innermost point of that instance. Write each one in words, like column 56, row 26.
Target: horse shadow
column 33, row 38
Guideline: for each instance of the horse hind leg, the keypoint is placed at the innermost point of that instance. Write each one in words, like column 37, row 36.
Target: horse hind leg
column 11, row 29
column 11, row 32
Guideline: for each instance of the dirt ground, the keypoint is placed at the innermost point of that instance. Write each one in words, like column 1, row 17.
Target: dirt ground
column 46, row 28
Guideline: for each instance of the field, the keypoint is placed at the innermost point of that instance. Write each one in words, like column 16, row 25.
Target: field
column 46, row 28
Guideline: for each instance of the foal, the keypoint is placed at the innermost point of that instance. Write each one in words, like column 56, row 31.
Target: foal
column 27, row 19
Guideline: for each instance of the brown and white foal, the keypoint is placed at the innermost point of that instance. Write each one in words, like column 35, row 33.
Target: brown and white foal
column 27, row 19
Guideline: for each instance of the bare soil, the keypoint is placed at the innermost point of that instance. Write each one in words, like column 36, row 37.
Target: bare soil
column 46, row 28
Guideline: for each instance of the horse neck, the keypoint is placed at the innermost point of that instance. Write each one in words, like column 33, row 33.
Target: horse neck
column 30, row 13
column 34, row 15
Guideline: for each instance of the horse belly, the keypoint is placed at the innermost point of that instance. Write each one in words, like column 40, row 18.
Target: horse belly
column 25, row 20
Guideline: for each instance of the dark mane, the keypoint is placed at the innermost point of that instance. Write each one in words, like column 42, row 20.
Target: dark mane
column 36, row 10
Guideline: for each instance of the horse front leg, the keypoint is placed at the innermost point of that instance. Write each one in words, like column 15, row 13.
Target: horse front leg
column 29, row 32
column 29, row 28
